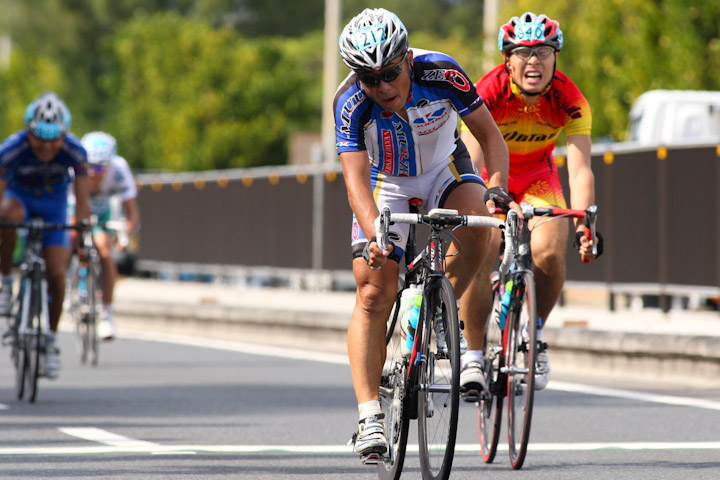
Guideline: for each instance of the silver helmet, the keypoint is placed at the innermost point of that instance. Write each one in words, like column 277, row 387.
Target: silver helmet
column 372, row 39
column 47, row 117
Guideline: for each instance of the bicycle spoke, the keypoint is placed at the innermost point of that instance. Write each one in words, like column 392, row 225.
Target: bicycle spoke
column 491, row 399
column 392, row 399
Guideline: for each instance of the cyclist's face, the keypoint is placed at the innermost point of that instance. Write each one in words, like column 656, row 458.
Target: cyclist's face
column 392, row 95
column 532, row 74
column 45, row 150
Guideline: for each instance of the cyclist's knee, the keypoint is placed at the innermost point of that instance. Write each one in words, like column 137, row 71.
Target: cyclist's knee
column 375, row 299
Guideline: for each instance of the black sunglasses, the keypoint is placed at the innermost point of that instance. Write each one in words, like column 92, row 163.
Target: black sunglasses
column 389, row 75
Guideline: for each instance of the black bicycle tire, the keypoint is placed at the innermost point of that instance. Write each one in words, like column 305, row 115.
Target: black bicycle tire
column 22, row 356
column 21, row 368
column 490, row 406
column 36, row 312
column 391, row 464
column 440, row 291
column 92, row 296
column 518, row 446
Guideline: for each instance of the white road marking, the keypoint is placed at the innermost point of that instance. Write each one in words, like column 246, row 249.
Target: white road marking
column 3, row 406
column 108, row 438
column 630, row 395
column 233, row 346
column 152, row 448
column 119, row 441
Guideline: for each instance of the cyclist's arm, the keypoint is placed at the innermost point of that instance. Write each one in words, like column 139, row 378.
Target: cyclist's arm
column 3, row 187
column 356, row 170
column 581, row 179
column 492, row 144
column 476, row 153
column 132, row 214
column 82, row 198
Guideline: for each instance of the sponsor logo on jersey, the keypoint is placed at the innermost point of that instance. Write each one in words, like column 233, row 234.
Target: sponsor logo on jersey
column 454, row 77
column 347, row 111
column 355, row 229
column 431, row 121
column 403, row 150
column 516, row 136
column 388, row 148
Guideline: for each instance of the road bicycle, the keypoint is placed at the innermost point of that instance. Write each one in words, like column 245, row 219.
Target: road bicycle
column 85, row 296
column 511, row 346
column 30, row 318
column 425, row 385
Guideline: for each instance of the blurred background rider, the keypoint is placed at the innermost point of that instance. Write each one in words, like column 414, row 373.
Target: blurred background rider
column 109, row 177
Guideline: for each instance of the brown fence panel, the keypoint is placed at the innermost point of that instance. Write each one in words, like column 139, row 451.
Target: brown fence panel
column 659, row 211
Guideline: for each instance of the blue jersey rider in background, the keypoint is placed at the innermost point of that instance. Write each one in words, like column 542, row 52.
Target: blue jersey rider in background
column 34, row 178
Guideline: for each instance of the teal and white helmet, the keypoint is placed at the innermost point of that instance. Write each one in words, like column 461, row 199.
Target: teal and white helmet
column 47, row 117
column 101, row 147
column 372, row 39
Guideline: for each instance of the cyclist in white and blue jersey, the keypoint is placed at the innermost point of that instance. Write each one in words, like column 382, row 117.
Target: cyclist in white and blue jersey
column 34, row 178
column 110, row 177
column 396, row 117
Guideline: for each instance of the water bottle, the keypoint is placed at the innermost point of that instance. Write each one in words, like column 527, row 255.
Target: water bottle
column 505, row 303
column 82, row 287
column 407, row 300
column 413, row 323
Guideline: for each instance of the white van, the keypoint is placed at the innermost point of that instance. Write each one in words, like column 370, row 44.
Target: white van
column 665, row 117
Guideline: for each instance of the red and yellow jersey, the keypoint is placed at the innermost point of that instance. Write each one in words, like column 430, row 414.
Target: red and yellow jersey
column 530, row 132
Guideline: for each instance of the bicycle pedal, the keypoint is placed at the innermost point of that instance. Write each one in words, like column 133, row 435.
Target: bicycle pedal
column 471, row 396
column 370, row 459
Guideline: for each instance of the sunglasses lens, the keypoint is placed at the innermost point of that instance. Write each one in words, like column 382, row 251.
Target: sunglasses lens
column 387, row 76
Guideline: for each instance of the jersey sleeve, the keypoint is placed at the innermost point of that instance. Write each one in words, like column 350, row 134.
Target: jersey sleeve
column 128, row 187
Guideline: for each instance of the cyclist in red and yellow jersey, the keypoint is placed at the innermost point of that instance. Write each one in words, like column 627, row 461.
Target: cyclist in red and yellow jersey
column 531, row 103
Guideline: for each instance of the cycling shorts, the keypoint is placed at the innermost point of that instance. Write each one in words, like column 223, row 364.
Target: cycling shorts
column 433, row 188
column 539, row 185
column 51, row 208
column 101, row 218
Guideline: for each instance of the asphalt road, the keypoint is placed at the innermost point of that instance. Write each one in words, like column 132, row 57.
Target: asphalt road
column 180, row 408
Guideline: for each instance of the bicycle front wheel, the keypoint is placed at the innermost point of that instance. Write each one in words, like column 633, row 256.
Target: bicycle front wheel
column 392, row 400
column 439, row 381
column 521, row 356
column 33, row 341
column 491, row 399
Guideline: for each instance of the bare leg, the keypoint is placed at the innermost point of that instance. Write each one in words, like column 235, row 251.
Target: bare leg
column 548, row 243
column 56, row 261
column 468, row 272
column 375, row 297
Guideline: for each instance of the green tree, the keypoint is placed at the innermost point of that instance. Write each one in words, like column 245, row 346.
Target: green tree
column 190, row 97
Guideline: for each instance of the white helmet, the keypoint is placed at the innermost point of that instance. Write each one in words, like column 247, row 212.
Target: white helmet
column 101, row 147
column 372, row 39
column 47, row 117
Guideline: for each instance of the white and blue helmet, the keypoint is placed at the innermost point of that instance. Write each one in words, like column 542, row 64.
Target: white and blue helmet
column 372, row 39
column 47, row 117
column 101, row 147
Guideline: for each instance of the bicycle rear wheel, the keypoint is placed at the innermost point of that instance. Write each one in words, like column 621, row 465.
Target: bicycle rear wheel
column 521, row 356
column 392, row 400
column 439, row 382
column 92, row 305
column 491, row 400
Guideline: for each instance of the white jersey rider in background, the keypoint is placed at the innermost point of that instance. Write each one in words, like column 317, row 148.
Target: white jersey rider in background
column 110, row 176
